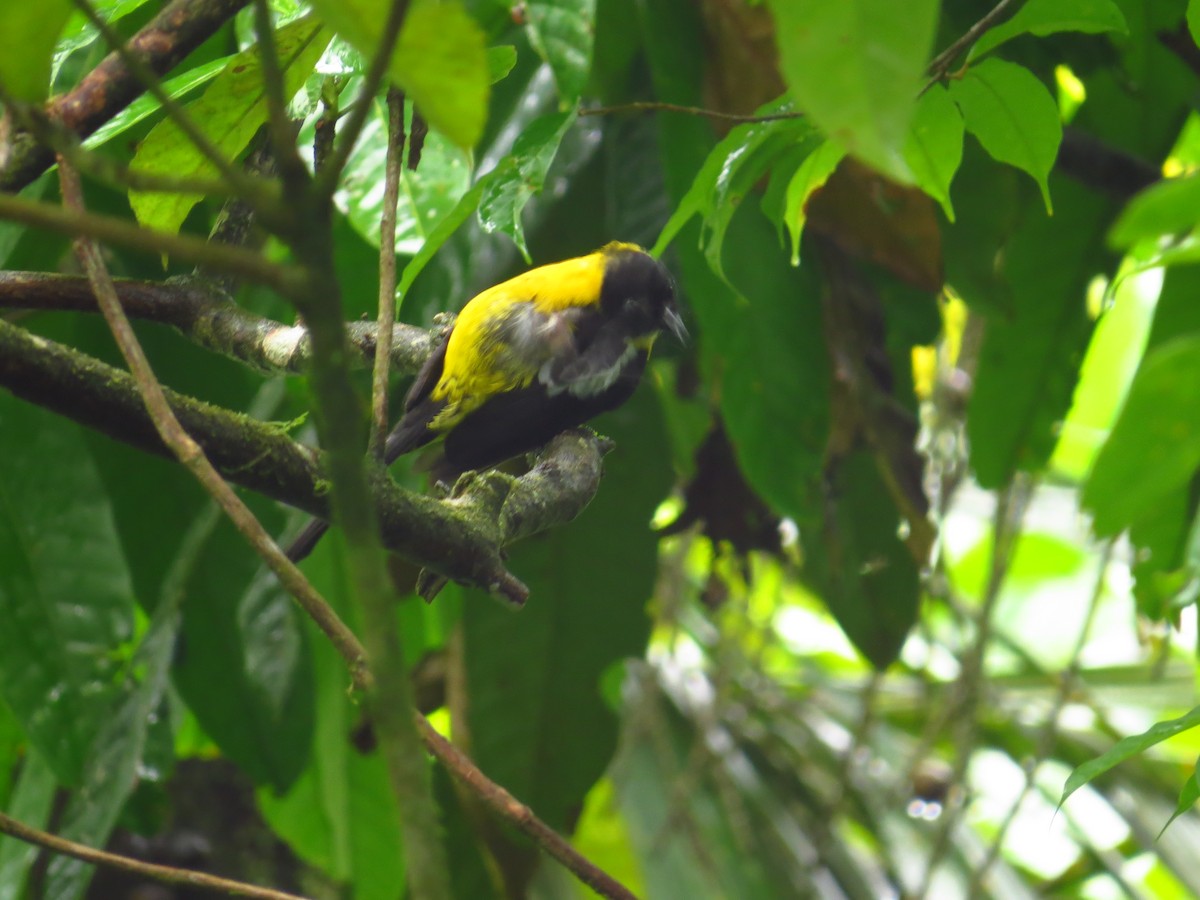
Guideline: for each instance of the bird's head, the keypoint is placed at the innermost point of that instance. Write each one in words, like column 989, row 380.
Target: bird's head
column 639, row 290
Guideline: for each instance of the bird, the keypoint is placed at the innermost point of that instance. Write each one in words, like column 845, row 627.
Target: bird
column 531, row 357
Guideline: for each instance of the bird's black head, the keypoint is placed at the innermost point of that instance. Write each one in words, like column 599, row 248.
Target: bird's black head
column 638, row 289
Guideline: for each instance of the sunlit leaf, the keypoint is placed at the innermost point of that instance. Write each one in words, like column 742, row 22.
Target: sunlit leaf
column 855, row 68
column 28, row 32
column 1154, row 448
column 810, row 175
column 562, row 32
column 230, row 112
column 1126, row 749
column 934, row 147
column 440, row 59
column 1013, row 115
column 1170, row 207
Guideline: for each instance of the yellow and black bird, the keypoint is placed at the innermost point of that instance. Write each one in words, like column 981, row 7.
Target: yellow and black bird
column 531, row 357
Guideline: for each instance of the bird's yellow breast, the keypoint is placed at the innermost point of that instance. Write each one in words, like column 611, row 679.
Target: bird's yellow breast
column 478, row 364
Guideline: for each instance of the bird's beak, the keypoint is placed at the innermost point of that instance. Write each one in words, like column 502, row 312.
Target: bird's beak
column 675, row 324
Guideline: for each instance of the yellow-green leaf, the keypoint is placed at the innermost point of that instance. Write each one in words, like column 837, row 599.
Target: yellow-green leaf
column 230, row 112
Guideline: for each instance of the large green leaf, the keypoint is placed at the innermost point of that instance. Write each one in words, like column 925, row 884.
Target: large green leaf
column 537, row 722
column 734, row 167
column 855, row 68
column 511, row 185
column 1043, row 17
column 117, row 759
column 1154, row 449
column 1029, row 362
column 562, row 32
column 440, row 58
column 30, row 804
column 859, row 563
column 66, row 604
column 341, row 814
column 28, row 32
column 425, row 198
column 1168, row 208
column 230, row 112
column 1013, row 115
column 244, row 664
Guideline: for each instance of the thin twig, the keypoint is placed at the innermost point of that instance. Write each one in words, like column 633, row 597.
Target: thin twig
column 283, row 136
column 1066, row 686
column 184, row 447
column 329, row 176
column 641, row 106
column 1006, row 528
column 941, row 63
column 516, row 813
column 165, row 874
column 387, row 271
column 111, row 230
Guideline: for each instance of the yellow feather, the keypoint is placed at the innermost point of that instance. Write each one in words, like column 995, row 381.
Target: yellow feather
column 474, row 368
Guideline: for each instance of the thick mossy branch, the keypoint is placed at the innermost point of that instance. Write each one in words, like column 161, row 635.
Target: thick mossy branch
column 203, row 312
column 459, row 538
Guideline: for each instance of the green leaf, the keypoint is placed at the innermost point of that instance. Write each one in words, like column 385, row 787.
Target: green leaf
column 426, row 196
column 1013, row 115
column 855, row 68
column 230, row 113
column 1193, row 20
column 562, row 32
column 1043, row 17
column 30, row 804
column 66, row 603
column 438, row 235
column 810, row 175
column 537, row 722
column 775, row 383
column 934, row 147
column 1154, row 448
column 1126, row 748
column 520, row 175
column 28, row 32
column 146, row 105
column 500, row 61
column 341, row 814
column 440, row 59
column 441, row 62
column 729, row 173
column 116, row 759
column 1170, row 207
column 862, row 568
column 1033, row 347
column 1188, row 795
column 245, row 665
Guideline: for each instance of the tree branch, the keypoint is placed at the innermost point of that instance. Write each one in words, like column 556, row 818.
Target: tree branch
column 165, row 874
column 203, row 313
column 169, row 37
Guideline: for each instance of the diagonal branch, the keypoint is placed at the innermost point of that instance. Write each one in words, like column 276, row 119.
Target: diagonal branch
column 181, row 27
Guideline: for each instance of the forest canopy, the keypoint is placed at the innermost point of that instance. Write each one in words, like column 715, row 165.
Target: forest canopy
column 882, row 583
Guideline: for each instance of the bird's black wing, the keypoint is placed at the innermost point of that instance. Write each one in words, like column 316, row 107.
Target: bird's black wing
column 412, row 431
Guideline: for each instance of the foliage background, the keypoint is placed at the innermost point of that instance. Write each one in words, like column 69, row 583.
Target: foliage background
column 922, row 486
